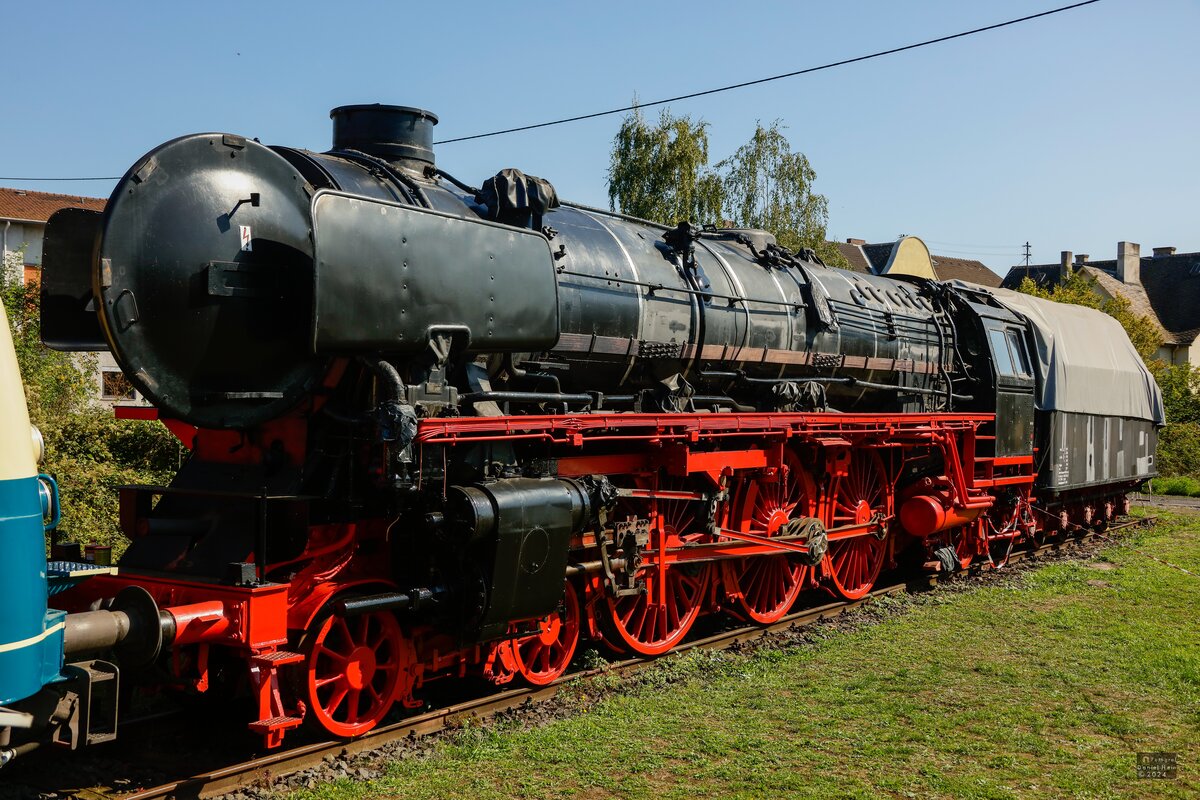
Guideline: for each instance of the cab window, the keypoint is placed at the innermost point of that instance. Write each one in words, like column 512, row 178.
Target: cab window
column 1004, row 362
column 1020, row 357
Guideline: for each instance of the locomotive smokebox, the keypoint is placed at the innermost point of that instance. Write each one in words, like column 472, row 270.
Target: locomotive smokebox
column 393, row 133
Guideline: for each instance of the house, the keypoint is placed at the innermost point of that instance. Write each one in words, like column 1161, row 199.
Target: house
column 1164, row 286
column 908, row 255
column 23, row 216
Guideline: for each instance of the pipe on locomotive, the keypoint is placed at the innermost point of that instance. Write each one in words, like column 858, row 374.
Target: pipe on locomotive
column 137, row 629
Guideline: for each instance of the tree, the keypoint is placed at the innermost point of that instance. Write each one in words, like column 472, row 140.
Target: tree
column 660, row 172
column 768, row 186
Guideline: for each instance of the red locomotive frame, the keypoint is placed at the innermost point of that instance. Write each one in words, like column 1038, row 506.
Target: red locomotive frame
column 720, row 500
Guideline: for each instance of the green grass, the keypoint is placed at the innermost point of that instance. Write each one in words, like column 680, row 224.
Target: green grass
column 1046, row 685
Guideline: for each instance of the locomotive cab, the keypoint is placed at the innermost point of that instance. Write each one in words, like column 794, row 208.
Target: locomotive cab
column 997, row 356
column 1013, row 377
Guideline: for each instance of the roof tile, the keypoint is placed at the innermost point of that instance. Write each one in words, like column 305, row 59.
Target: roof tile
column 38, row 206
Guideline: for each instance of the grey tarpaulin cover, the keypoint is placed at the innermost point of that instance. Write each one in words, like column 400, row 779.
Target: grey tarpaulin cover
column 1086, row 362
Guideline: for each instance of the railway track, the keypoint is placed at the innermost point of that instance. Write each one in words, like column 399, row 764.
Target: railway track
column 216, row 782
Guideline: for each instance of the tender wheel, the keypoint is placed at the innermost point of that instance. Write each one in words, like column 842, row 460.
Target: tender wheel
column 654, row 621
column 766, row 587
column 542, row 658
column 355, row 668
column 853, row 564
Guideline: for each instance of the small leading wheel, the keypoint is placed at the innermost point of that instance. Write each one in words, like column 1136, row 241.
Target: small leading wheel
column 853, row 564
column 652, row 622
column 542, row 658
column 767, row 586
column 355, row 668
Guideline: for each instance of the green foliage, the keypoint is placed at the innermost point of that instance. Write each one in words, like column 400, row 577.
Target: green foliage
column 1180, row 384
column 91, row 454
column 661, row 172
column 1179, row 486
column 768, row 186
column 1179, row 450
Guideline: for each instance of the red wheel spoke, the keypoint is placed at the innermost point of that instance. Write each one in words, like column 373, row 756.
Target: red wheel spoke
column 332, row 654
column 345, row 629
column 352, row 707
column 335, row 701
column 321, row 683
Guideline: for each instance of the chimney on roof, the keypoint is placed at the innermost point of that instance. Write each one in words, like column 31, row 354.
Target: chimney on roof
column 1163, row 252
column 1064, row 266
column 859, row 242
column 1081, row 259
column 1129, row 262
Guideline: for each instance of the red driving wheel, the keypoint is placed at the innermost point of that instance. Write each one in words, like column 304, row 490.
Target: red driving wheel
column 853, row 564
column 652, row 622
column 767, row 586
column 355, row 668
column 542, row 658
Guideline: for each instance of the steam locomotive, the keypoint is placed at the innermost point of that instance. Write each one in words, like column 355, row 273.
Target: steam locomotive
column 440, row 431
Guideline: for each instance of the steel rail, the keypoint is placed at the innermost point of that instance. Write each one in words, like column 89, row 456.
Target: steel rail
column 228, row 779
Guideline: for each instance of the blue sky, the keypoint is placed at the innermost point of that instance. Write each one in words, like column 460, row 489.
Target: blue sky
column 1071, row 132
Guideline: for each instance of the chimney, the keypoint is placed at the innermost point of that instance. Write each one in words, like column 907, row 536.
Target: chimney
column 1163, row 252
column 398, row 134
column 1064, row 266
column 1081, row 259
column 859, row 242
column 1129, row 262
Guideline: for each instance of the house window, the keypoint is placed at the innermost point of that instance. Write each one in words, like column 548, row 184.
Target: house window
column 115, row 386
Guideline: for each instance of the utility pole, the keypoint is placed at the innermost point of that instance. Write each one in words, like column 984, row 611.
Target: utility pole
column 1027, row 254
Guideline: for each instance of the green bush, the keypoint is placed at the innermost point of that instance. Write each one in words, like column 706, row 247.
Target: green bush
column 1179, row 449
column 1180, row 485
column 91, row 454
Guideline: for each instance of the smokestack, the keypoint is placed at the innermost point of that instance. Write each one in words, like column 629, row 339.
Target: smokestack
column 859, row 242
column 1129, row 262
column 398, row 134
column 1162, row 252
column 1064, row 266
column 1081, row 259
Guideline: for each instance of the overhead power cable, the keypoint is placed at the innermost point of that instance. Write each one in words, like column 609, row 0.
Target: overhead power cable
column 117, row 178
column 706, row 92
column 744, row 84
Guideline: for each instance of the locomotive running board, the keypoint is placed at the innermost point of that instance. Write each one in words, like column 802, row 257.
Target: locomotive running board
column 385, row 274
